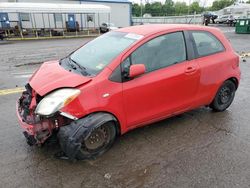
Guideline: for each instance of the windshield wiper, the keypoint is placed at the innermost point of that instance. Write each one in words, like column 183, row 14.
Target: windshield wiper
column 71, row 65
column 83, row 69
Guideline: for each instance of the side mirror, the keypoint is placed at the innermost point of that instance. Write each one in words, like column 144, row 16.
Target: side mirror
column 136, row 70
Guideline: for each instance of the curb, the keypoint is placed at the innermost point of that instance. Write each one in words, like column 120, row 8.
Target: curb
column 27, row 64
column 49, row 38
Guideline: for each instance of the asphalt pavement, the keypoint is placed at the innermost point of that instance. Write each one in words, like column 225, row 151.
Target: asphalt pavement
column 199, row 148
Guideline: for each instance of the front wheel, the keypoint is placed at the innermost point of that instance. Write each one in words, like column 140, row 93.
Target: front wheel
column 98, row 142
column 224, row 96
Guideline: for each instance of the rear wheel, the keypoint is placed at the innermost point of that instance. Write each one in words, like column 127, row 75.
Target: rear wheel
column 224, row 96
column 98, row 142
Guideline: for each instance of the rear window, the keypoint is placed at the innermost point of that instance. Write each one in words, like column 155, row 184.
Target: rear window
column 206, row 43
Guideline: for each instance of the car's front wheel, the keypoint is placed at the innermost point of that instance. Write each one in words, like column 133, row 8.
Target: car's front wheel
column 98, row 142
column 224, row 96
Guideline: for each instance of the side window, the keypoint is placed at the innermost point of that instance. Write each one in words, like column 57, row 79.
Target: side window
column 160, row 52
column 206, row 43
column 125, row 67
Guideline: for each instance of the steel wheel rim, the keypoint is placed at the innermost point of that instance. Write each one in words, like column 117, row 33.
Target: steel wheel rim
column 97, row 139
column 225, row 95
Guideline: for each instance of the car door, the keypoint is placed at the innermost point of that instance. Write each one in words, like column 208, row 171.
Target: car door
column 210, row 56
column 169, row 84
column 4, row 20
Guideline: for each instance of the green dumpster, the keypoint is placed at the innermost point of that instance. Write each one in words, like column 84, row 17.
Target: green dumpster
column 242, row 25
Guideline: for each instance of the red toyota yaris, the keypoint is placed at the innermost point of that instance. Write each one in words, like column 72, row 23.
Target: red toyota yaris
column 125, row 79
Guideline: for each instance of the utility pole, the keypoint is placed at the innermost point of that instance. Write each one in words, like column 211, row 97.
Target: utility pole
column 189, row 2
column 141, row 11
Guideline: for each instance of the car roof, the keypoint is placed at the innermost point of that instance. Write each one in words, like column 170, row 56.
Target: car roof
column 155, row 28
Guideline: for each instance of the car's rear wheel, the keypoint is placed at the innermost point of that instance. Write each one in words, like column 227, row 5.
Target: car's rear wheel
column 98, row 142
column 224, row 96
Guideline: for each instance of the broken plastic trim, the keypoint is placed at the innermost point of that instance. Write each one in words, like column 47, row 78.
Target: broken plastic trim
column 30, row 139
column 68, row 116
column 71, row 136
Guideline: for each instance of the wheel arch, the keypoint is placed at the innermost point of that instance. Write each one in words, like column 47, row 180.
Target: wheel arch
column 234, row 80
column 113, row 118
column 70, row 136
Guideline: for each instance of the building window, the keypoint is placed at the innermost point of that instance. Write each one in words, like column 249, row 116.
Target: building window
column 25, row 17
column 58, row 17
column 90, row 18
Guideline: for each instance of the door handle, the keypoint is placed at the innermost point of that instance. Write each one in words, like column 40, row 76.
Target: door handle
column 190, row 70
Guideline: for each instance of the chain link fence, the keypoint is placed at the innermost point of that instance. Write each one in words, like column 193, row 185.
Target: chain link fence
column 187, row 19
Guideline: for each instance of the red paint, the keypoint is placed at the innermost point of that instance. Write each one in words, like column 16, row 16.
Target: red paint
column 150, row 97
column 51, row 76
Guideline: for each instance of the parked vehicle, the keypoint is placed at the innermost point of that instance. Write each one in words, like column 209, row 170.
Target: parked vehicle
column 125, row 79
column 221, row 19
column 207, row 16
column 228, row 19
column 106, row 27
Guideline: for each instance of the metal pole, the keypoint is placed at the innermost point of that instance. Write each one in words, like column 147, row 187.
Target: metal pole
column 65, row 21
column 141, row 11
column 20, row 25
column 98, row 19
column 35, row 24
column 99, row 32
column 81, row 22
column 55, row 20
column 63, row 24
column 32, row 24
column 43, row 21
column 189, row 5
column 75, row 23
column 94, row 19
column 43, row 24
column 49, row 26
column 85, row 16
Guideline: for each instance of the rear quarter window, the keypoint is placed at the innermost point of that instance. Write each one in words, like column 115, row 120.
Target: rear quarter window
column 206, row 43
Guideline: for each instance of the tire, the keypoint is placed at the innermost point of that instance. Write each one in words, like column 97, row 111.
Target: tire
column 99, row 141
column 224, row 96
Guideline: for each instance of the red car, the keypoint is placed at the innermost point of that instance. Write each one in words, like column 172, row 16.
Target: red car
column 125, row 79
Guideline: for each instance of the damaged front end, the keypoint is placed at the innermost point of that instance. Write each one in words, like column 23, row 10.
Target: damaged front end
column 44, row 116
column 37, row 128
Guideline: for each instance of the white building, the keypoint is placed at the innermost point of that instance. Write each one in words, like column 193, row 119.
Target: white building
column 239, row 10
column 56, row 14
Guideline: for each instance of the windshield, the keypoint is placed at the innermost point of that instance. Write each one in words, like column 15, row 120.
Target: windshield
column 98, row 53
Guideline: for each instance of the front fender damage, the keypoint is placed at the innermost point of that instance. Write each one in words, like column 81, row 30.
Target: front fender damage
column 71, row 136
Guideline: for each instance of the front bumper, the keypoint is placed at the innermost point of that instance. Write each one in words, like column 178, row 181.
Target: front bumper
column 25, row 126
column 37, row 129
column 36, row 132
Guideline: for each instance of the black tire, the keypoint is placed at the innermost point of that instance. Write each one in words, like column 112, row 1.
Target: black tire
column 224, row 96
column 104, row 136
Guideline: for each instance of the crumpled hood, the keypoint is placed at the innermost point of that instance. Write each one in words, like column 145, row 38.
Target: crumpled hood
column 51, row 76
